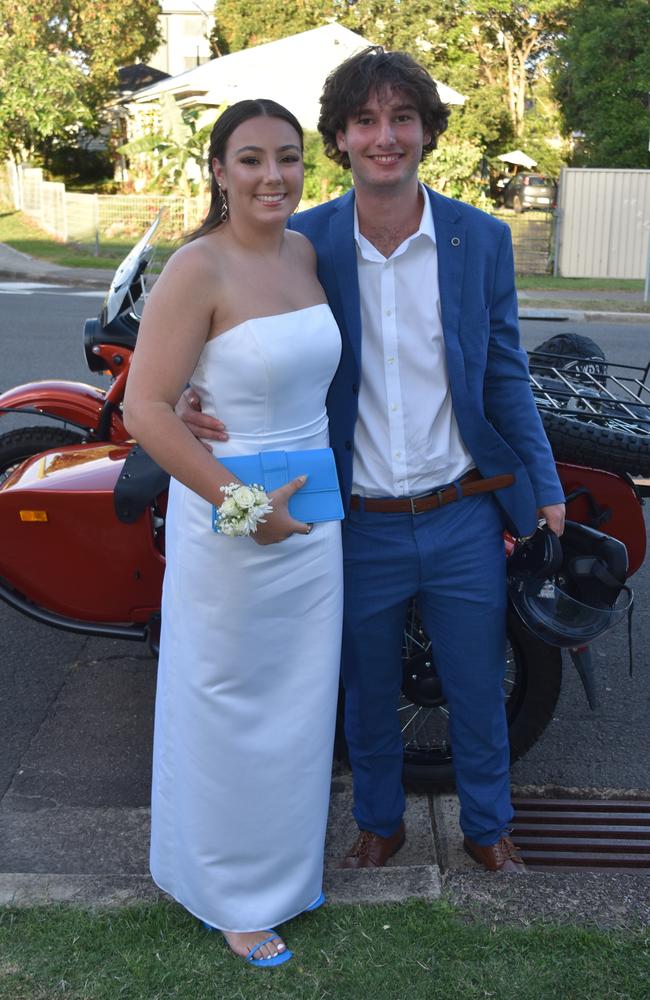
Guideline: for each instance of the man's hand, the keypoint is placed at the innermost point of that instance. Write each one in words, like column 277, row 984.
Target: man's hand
column 188, row 408
column 554, row 516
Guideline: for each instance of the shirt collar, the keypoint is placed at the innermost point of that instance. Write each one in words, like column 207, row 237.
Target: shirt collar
column 426, row 227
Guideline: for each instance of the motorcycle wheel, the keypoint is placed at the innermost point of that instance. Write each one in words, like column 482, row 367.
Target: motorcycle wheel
column 621, row 448
column 531, row 687
column 17, row 445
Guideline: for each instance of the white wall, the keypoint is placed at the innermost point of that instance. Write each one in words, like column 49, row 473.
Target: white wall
column 185, row 26
column 604, row 223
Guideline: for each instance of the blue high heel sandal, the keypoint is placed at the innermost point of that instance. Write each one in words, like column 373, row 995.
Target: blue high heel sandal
column 260, row 963
column 316, row 903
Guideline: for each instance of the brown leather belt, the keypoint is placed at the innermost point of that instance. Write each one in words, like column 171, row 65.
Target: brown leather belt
column 467, row 486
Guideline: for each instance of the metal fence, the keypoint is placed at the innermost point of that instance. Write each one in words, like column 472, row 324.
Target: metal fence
column 9, row 194
column 533, row 237
column 604, row 223
column 94, row 220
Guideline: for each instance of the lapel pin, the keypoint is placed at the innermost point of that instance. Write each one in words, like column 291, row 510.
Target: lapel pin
column 455, row 241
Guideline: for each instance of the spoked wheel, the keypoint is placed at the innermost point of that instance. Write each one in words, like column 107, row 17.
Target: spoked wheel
column 531, row 689
column 17, row 445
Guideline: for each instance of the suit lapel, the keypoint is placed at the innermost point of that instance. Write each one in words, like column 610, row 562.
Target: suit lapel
column 344, row 265
column 451, row 249
column 451, row 240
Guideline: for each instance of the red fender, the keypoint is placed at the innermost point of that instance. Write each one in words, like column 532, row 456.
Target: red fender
column 74, row 401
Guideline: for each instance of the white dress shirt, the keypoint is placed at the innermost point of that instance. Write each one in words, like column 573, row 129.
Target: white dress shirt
column 406, row 439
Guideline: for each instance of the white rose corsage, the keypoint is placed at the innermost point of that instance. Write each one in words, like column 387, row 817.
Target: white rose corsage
column 243, row 509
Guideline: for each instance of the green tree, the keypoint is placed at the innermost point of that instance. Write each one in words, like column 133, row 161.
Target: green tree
column 542, row 136
column 239, row 25
column 38, row 99
column 455, row 169
column 492, row 51
column 175, row 142
column 495, row 52
column 59, row 62
column 512, row 41
column 603, row 78
column 323, row 178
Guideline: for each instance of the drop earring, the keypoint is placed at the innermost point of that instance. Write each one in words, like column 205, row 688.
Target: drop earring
column 224, row 207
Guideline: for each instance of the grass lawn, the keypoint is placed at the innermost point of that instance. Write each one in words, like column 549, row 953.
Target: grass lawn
column 410, row 951
column 532, row 282
column 22, row 234
column 586, row 304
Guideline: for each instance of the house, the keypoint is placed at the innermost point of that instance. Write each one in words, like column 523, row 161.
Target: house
column 185, row 26
column 291, row 70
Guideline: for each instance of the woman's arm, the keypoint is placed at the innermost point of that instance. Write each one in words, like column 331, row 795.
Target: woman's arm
column 175, row 325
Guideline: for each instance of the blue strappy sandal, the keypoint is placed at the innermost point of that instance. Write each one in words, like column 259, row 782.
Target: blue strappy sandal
column 260, row 963
column 316, row 903
column 268, row 963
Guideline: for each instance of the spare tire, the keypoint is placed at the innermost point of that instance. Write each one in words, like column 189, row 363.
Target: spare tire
column 584, row 443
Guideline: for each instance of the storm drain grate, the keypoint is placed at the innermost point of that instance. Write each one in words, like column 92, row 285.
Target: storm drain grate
column 600, row 834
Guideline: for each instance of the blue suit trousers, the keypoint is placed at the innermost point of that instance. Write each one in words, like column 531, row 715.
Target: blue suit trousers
column 453, row 561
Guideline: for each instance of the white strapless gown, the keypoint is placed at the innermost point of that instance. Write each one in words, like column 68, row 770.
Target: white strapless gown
column 249, row 656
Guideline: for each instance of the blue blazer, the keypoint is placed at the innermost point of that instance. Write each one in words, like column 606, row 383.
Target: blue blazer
column 488, row 370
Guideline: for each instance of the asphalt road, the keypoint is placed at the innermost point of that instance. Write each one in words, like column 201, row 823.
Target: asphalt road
column 76, row 713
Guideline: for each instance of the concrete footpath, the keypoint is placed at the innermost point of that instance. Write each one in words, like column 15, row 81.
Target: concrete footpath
column 98, row 857
column 17, row 266
column 74, row 818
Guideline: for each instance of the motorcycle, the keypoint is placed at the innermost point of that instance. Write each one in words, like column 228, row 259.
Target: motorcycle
column 83, row 514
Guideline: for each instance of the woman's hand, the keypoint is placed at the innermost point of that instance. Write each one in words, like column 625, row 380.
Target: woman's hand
column 280, row 524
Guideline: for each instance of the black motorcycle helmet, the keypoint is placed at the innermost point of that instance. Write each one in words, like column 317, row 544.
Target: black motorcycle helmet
column 569, row 590
column 571, row 352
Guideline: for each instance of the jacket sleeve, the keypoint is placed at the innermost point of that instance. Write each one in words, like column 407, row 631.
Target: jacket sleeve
column 508, row 399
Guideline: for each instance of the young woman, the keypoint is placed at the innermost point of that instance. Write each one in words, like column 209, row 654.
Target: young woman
column 250, row 644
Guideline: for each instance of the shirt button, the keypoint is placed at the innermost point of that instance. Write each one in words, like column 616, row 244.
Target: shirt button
column 389, row 312
column 390, row 361
column 398, row 454
column 348, row 445
column 394, row 406
column 355, row 389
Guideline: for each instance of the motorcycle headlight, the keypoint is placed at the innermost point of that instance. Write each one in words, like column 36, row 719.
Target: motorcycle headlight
column 93, row 335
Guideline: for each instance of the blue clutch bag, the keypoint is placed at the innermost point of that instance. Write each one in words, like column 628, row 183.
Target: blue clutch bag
column 318, row 500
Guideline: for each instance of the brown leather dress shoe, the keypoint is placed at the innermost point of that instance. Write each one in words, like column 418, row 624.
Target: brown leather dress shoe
column 372, row 851
column 500, row 857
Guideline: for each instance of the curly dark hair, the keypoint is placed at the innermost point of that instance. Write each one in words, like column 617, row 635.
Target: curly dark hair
column 374, row 70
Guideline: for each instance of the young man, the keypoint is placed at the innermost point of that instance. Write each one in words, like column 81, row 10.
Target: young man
column 438, row 444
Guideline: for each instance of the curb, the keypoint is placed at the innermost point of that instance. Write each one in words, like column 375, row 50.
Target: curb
column 584, row 316
column 87, row 279
column 607, row 899
column 381, row 885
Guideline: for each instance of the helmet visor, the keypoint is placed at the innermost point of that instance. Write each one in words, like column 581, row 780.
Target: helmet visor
column 561, row 620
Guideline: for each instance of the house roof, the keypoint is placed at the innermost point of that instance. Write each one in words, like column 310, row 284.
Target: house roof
column 137, row 76
column 291, row 70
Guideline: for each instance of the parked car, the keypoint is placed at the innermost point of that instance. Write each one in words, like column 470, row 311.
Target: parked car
column 530, row 191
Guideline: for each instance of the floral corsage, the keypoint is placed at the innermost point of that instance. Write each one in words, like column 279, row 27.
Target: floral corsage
column 243, row 509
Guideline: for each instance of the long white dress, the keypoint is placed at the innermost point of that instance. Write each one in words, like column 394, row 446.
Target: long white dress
column 249, row 655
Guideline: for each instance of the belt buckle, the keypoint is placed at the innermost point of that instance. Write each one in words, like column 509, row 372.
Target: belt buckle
column 420, row 496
